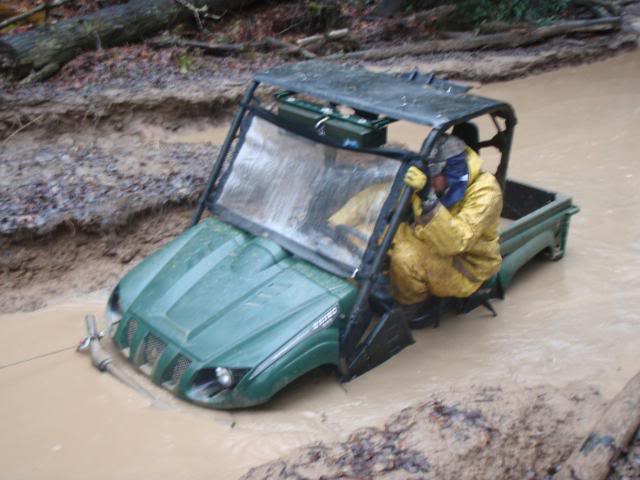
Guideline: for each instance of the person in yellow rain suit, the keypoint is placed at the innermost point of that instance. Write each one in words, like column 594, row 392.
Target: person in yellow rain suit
column 452, row 245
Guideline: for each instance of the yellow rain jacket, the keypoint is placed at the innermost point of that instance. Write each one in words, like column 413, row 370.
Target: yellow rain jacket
column 455, row 251
column 360, row 211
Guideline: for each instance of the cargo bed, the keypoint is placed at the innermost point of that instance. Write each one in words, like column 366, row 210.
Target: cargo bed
column 538, row 222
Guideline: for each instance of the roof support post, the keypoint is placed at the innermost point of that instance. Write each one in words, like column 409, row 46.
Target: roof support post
column 224, row 151
column 357, row 323
column 501, row 172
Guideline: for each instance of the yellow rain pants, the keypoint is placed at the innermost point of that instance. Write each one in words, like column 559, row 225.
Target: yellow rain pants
column 457, row 250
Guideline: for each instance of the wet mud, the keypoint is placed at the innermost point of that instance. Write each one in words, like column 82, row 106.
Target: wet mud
column 36, row 271
column 566, row 331
column 100, row 173
column 66, row 417
column 478, row 432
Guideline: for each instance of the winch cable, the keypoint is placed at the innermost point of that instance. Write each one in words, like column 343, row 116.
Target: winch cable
column 103, row 362
column 36, row 357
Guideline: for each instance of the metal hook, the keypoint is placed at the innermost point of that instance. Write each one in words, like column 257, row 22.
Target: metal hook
column 320, row 125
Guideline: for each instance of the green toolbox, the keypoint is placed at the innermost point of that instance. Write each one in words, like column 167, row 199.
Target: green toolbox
column 360, row 130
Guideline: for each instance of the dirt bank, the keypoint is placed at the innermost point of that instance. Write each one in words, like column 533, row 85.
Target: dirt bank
column 91, row 161
column 477, row 432
column 500, row 65
column 37, row 270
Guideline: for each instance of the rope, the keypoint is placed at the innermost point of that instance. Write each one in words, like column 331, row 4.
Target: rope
column 54, row 352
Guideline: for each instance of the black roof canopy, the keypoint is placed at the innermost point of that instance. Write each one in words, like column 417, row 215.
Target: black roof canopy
column 438, row 104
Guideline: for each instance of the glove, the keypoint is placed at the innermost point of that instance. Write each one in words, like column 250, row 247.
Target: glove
column 416, row 179
column 424, row 206
column 423, row 200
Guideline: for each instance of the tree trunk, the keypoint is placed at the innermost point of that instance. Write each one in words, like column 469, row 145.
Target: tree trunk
column 40, row 52
column 591, row 460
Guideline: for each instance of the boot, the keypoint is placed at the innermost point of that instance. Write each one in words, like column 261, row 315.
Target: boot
column 423, row 314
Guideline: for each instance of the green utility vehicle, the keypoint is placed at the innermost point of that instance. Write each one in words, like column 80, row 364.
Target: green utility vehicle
column 267, row 287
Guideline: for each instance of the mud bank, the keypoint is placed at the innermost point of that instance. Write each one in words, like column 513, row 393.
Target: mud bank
column 35, row 271
column 499, row 65
column 169, row 102
column 91, row 162
column 474, row 433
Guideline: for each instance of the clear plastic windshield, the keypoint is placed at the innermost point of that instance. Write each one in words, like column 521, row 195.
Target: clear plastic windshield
column 310, row 195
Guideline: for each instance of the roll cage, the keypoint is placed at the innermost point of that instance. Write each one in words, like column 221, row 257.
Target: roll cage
column 413, row 97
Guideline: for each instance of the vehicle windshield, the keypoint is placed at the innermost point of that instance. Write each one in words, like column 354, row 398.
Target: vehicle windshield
column 318, row 201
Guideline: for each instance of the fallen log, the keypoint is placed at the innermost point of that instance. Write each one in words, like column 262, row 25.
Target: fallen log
column 289, row 47
column 231, row 48
column 211, row 48
column 40, row 52
column 612, row 433
column 510, row 39
column 497, row 26
column 323, row 37
column 434, row 15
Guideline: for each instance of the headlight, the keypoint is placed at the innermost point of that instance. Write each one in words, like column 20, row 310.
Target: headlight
column 113, row 314
column 225, row 376
column 211, row 381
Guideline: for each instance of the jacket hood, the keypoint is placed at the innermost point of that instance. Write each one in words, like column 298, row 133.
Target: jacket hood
column 474, row 162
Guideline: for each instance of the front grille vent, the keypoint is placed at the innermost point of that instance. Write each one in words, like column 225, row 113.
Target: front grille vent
column 181, row 366
column 153, row 348
column 132, row 327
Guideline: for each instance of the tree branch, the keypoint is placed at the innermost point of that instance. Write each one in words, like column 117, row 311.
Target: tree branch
column 45, row 6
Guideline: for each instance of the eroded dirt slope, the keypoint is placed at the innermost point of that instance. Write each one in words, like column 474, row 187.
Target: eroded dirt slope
column 470, row 433
column 38, row 270
column 91, row 161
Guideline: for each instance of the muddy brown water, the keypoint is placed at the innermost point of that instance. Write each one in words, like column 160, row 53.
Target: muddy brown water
column 574, row 320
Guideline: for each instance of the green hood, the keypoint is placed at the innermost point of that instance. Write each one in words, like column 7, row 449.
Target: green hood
column 224, row 297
